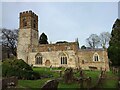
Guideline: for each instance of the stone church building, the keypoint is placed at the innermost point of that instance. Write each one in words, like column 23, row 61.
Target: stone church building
column 55, row 55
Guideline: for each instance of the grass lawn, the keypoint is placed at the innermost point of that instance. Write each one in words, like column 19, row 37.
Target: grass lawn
column 32, row 83
column 110, row 81
column 47, row 71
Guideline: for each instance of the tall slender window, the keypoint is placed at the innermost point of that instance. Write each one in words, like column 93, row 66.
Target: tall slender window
column 34, row 24
column 24, row 22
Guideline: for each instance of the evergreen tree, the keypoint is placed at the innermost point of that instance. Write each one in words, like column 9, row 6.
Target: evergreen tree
column 114, row 44
column 83, row 47
column 43, row 39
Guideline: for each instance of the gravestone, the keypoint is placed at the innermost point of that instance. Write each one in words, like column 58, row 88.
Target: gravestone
column 60, row 73
column 101, row 79
column 85, row 82
column 81, row 82
column 50, row 85
column 81, row 73
column 68, row 75
column 9, row 82
column 118, row 84
column 89, row 80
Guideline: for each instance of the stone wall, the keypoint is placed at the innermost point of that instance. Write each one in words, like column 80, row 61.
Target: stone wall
column 81, row 58
column 55, row 47
column 26, row 38
column 55, row 58
column 86, row 59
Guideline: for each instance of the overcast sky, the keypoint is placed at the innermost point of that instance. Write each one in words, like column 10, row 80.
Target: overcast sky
column 64, row 21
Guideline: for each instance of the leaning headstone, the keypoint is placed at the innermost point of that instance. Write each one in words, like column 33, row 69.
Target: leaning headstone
column 68, row 75
column 89, row 80
column 81, row 82
column 9, row 82
column 50, row 85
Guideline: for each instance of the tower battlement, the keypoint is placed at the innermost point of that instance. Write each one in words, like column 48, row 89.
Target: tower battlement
column 28, row 19
column 28, row 13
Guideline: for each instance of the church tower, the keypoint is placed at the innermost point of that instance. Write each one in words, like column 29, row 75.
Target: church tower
column 28, row 34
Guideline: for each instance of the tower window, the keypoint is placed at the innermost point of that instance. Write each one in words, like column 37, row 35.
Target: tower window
column 34, row 24
column 24, row 22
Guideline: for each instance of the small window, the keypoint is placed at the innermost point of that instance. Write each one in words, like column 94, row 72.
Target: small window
column 24, row 22
column 83, row 62
column 34, row 24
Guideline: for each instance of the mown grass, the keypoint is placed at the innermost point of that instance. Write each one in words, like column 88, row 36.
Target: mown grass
column 48, row 71
column 32, row 83
column 71, row 85
column 110, row 81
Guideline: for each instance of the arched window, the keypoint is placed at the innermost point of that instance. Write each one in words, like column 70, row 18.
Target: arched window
column 38, row 59
column 96, row 57
column 63, row 57
column 63, row 60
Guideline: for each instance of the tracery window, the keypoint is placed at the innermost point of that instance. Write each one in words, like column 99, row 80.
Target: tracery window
column 95, row 57
column 63, row 60
column 39, row 59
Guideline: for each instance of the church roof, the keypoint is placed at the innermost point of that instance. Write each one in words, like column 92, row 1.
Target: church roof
column 95, row 49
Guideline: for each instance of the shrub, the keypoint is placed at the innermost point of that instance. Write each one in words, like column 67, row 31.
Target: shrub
column 18, row 68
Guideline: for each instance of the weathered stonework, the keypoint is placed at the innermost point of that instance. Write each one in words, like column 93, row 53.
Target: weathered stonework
column 86, row 59
column 55, row 55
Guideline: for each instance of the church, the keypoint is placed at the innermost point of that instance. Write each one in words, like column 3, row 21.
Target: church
column 56, row 55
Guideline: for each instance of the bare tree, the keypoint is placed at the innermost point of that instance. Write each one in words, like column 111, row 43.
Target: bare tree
column 93, row 40
column 9, row 39
column 104, row 39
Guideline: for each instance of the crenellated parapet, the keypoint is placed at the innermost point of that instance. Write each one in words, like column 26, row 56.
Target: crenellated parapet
column 28, row 13
column 28, row 19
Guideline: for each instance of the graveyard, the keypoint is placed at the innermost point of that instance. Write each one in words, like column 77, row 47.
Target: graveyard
column 29, row 77
column 98, row 80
